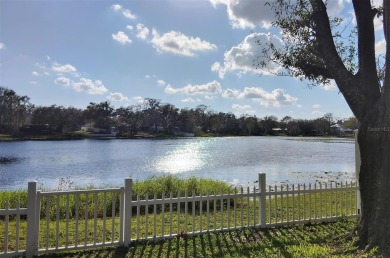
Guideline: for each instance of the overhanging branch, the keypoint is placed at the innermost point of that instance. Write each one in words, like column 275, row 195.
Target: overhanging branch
column 347, row 82
column 366, row 42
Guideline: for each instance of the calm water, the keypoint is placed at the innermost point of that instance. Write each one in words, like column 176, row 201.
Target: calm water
column 237, row 160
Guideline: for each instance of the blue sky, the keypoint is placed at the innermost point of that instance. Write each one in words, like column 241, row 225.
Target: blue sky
column 183, row 52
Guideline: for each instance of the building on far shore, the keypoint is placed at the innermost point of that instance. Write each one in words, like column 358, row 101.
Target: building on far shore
column 339, row 129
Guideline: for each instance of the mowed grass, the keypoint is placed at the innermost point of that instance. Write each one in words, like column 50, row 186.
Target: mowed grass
column 333, row 239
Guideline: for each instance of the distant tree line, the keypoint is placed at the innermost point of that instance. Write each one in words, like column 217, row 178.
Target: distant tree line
column 14, row 110
column 154, row 117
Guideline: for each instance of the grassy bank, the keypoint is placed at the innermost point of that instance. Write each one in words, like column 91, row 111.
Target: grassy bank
column 151, row 186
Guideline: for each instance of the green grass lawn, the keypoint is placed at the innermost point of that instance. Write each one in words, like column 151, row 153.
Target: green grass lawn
column 334, row 239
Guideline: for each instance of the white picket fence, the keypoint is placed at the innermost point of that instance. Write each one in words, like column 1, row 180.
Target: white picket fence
column 71, row 220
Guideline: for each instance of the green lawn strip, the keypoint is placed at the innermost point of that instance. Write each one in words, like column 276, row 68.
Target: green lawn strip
column 334, row 239
column 317, row 240
column 143, row 226
column 64, row 232
column 310, row 206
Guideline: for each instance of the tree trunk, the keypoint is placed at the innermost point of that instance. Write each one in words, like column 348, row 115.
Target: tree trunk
column 374, row 180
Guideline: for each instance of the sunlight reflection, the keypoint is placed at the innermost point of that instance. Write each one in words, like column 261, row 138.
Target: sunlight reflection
column 182, row 159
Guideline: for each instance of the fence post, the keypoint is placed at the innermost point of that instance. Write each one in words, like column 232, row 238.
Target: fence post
column 127, row 210
column 358, row 162
column 262, row 199
column 37, row 217
column 121, row 214
column 32, row 227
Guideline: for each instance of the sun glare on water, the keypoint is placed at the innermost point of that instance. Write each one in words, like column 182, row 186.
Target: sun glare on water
column 183, row 159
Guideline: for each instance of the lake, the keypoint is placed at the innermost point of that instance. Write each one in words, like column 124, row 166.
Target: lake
column 237, row 160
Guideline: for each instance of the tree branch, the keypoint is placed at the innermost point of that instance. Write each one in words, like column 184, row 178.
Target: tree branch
column 366, row 43
column 347, row 82
column 366, row 36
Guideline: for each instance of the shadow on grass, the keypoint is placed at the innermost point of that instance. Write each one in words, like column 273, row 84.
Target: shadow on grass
column 275, row 242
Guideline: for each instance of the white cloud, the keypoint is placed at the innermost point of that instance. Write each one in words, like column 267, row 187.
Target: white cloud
column 241, row 58
column 63, row 81
column 149, row 76
column 86, row 85
column 244, row 14
column 161, row 83
column 129, row 27
column 189, row 100
column 142, row 31
column 378, row 24
column 138, row 99
column 275, row 98
column 210, row 97
column 317, row 106
column 127, row 13
column 117, row 96
column 56, row 67
column 89, row 86
column 2, row 45
column 334, row 7
column 180, row 44
column 377, row 3
column 231, row 93
column 317, row 113
column 380, row 47
column 240, row 110
column 33, row 82
column 122, row 38
column 35, row 73
column 247, row 13
column 216, row 67
column 240, row 107
column 213, row 87
column 116, row 7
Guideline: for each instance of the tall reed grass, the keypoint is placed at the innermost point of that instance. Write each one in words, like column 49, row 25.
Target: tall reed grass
column 109, row 203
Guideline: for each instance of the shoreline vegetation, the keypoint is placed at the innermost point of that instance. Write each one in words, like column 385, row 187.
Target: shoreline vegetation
column 156, row 185
column 331, row 239
column 150, row 119
column 83, row 135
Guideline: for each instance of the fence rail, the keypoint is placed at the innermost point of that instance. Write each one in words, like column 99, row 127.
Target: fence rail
column 83, row 219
